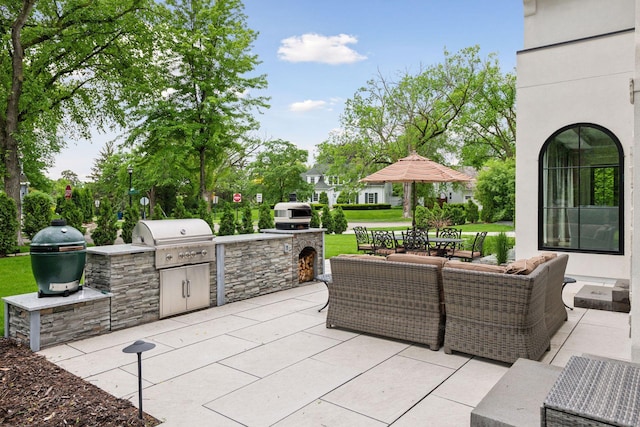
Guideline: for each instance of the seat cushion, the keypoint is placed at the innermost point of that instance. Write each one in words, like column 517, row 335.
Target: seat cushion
column 417, row 259
column 487, row 268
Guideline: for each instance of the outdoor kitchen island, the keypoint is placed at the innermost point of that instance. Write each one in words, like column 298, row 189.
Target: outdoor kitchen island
column 239, row 267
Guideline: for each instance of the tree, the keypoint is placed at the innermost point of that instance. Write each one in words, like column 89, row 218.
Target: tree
column 265, row 217
column 278, row 168
column 339, row 221
column 386, row 119
column 72, row 214
column 8, row 225
column 131, row 217
column 327, row 219
column 227, row 222
column 486, row 128
column 246, row 223
column 180, row 211
column 106, row 231
column 315, row 219
column 67, row 65
column 37, row 212
column 496, row 190
column 323, row 199
column 206, row 106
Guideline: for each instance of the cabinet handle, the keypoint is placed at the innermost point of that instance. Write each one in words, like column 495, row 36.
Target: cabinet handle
column 183, row 294
column 188, row 288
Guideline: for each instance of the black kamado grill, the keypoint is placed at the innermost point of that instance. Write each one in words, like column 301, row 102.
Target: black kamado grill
column 58, row 255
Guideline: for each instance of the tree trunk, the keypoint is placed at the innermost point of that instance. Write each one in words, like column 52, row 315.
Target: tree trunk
column 8, row 142
column 202, row 172
column 406, row 200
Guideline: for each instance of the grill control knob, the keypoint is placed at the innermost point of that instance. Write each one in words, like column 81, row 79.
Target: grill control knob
column 169, row 257
column 181, row 255
column 203, row 252
column 193, row 253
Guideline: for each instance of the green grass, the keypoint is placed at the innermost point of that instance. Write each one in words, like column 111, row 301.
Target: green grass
column 15, row 278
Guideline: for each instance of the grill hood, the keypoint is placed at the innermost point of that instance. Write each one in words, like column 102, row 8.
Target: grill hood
column 171, row 232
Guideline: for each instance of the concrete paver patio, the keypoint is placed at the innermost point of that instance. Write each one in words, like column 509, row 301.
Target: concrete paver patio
column 270, row 361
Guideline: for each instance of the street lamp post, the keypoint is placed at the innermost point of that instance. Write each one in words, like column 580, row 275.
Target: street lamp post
column 130, row 170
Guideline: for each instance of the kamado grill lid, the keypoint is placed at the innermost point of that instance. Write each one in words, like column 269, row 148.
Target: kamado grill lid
column 58, row 237
column 171, row 231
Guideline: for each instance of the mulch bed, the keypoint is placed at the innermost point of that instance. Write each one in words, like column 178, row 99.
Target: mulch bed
column 36, row 392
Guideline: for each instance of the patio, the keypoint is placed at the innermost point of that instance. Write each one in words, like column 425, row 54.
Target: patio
column 270, row 360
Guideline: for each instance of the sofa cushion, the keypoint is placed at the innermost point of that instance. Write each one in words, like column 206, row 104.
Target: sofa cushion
column 487, row 268
column 417, row 259
column 548, row 255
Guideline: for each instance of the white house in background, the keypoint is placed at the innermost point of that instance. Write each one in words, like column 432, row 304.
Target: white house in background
column 381, row 193
column 578, row 127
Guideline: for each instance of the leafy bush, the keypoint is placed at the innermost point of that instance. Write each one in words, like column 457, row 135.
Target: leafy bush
column 363, row 206
column 227, row 222
column 204, row 214
column 131, row 218
column 72, row 214
column 496, row 189
column 472, row 212
column 421, row 217
column 8, row 225
column 106, row 231
column 324, row 199
column 501, row 243
column 36, row 211
column 455, row 213
column 437, row 218
column 265, row 217
column 157, row 212
column 315, row 219
column 246, row 223
column 339, row 221
column 327, row 219
column 180, row 211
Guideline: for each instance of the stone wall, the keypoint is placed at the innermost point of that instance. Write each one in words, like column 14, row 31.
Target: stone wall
column 131, row 277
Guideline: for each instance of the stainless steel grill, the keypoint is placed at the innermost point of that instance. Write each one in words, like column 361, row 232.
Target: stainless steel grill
column 292, row 216
column 177, row 241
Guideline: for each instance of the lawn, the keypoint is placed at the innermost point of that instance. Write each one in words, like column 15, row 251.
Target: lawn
column 15, row 278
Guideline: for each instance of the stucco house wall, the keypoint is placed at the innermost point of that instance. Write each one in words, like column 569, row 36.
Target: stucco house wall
column 578, row 58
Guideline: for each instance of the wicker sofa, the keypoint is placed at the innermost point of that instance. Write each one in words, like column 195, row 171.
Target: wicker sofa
column 394, row 299
column 504, row 314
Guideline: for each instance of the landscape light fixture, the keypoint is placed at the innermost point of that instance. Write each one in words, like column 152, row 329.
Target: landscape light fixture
column 130, row 170
column 139, row 347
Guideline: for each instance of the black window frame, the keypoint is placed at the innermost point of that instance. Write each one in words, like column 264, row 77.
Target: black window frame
column 619, row 179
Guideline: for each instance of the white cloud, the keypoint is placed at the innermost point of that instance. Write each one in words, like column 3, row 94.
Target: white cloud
column 306, row 105
column 318, row 48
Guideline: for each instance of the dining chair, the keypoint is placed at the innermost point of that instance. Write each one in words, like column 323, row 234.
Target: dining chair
column 384, row 242
column 476, row 248
column 363, row 239
column 416, row 242
column 448, row 249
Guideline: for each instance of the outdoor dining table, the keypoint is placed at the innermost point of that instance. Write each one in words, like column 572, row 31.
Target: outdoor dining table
column 442, row 243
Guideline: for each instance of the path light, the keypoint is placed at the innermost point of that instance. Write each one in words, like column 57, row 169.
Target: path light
column 139, row 347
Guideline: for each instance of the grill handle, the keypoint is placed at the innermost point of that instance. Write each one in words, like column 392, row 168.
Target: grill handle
column 188, row 288
column 183, row 294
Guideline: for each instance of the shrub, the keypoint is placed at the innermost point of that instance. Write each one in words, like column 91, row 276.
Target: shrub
column 36, row 211
column 265, row 217
column 8, row 225
column 204, row 214
column 501, row 243
column 421, row 217
column 157, row 212
column 246, row 223
column 106, row 230
column 180, row 211
column 72, row 214
column 131, row 218
column 437, row 218
column 315, row 219
column 339, row 221
column 472, row 212
column 327, row 220
column 324, row 199
column 495, row 190
column 227, row 222
column 455, row 213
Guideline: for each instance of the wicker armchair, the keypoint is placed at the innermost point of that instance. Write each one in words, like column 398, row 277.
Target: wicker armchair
column 495, row 315
column 555, row 313
column 398, row 300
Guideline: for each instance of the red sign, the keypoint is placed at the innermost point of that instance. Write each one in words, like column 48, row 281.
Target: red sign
column 67, row 192
column 237, row 197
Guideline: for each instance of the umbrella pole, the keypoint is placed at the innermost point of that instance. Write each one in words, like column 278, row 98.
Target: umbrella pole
column 414, row 200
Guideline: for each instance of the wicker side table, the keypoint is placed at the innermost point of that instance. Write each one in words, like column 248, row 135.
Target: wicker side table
column 594, row 392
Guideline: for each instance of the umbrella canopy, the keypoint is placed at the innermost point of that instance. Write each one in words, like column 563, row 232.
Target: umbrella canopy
column 415, row 168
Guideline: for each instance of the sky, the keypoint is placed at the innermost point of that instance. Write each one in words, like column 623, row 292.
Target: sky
column 318, row 53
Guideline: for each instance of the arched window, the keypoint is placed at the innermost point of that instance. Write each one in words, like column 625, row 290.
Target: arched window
column 581, row 197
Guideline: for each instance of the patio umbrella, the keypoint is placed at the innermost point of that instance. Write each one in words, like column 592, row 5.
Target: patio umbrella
column 415, row 168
